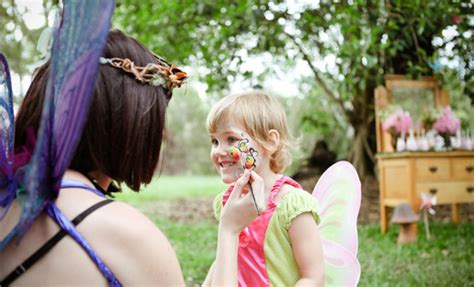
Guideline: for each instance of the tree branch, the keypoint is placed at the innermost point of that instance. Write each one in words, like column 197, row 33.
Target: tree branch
column 320, row 81
column 415, row 41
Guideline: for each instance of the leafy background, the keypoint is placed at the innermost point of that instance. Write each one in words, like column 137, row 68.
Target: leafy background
column 335, row 54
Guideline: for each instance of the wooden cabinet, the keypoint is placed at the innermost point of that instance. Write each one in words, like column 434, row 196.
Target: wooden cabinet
column 404, row 176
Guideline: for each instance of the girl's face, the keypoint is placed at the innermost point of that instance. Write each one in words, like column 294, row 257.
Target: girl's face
column 233, row 151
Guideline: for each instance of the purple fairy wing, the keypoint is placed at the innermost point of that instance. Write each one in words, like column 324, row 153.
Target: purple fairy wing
column 7, row 182
column 339, row 192
column 78, row 44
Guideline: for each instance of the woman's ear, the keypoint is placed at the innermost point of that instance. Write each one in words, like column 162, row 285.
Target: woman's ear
column 273, row 140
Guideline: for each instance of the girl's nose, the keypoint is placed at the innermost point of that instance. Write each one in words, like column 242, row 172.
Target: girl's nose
column 222, row 150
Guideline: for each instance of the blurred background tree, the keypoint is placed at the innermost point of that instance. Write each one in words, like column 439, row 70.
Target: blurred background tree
column 336, row 54
column 348, row 47
column 19, row 37
column 187, row 141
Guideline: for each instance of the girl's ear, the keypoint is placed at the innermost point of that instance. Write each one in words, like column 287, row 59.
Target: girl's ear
column 273, row 140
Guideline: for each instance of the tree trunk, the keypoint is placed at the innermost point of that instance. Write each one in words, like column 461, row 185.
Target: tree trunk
column 357, row 153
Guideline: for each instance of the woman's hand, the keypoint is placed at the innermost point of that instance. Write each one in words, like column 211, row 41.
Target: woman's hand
column 241, row 209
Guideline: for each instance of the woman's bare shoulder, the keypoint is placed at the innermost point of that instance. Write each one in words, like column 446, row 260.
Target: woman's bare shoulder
column 134, row 246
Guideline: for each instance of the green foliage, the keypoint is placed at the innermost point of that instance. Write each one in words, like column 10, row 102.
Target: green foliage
column 316, row 118
column 18, row 41
column 347, row 46
column 362, row 40
column 187, row 141
column 458, row 89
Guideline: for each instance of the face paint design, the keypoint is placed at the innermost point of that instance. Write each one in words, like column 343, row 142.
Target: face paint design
column 242, row 146
column 234, row 153
column 242, row 151
column 250, row 160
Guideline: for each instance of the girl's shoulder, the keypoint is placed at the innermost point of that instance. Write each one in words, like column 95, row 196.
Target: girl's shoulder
column 292, row 202
column 290, row 194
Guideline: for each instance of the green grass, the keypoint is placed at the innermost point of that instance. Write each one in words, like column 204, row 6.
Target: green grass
column 174, row 187
column 446, row 260
column 195, row 246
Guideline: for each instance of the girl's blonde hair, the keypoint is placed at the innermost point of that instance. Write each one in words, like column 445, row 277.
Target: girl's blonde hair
column 258, row 113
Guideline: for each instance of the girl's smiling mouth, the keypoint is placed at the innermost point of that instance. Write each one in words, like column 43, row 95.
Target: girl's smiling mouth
column 226, row 164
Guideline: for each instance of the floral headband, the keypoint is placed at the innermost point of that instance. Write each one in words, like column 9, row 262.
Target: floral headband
column 162, row 74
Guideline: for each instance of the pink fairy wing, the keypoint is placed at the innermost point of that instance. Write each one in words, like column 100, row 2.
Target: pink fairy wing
column 338, row 192
column 341, row 266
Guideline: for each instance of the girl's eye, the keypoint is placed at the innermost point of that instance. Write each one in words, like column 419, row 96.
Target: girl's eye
column 214, row 142
column 232, row 139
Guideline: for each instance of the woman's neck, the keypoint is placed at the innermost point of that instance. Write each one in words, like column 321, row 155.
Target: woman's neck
column 102, row 180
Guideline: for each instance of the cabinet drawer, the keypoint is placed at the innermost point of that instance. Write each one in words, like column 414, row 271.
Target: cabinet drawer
column 448, row 192
column 432, row 169
column 463, row 168
column 396, row 180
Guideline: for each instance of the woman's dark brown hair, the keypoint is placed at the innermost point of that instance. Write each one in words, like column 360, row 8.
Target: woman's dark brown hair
column 124, row 131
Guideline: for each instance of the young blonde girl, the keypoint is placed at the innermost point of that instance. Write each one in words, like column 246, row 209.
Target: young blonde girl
column 251, row 146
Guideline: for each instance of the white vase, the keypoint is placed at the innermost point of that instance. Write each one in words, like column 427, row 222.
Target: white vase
column 439, row 143
column 401, row 143
column 411, row 142
column 423, row 143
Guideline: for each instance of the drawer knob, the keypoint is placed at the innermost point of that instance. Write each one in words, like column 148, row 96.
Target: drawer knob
column 433, row 169
column 470, row 189
column 433, row 191
column 469, row 168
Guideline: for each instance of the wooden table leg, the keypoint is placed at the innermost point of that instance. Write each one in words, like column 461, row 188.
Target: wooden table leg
column 383, row 219
column 455, row 213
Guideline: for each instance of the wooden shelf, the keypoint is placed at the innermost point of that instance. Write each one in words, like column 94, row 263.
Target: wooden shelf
column 414, row 154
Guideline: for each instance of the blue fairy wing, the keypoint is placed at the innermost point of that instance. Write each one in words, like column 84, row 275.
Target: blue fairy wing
column 338, row 192
column 7, row 183
column 78, row 44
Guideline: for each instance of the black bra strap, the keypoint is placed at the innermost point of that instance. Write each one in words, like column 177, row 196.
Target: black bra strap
column 23, row 267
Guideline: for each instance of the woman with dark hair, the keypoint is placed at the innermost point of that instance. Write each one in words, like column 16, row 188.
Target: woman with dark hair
column 120, row 142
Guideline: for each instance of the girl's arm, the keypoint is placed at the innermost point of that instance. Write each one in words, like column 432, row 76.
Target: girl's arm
column 307, row 250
